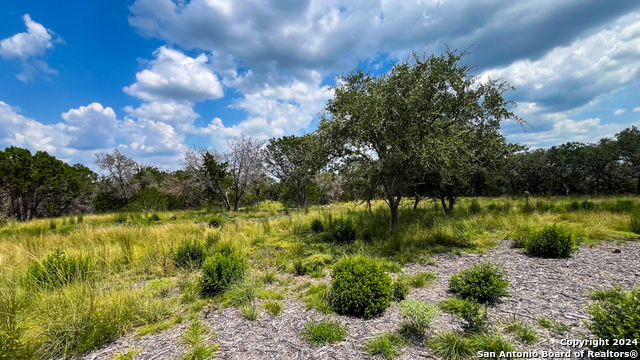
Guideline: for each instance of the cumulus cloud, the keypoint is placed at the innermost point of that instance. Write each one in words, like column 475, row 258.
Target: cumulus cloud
column 174, row 76
column 90, row 129
column 619, row 111
column 28, row 46
column 636, row 109
column 20, row 131
column 575, row 75
column 563, row 130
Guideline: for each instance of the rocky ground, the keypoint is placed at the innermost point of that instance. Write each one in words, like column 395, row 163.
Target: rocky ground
column 556, row 289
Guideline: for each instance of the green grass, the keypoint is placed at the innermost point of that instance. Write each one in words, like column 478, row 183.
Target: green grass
column 197, row 336
column 127, row 355
column 418, row 280
column 553, row 325
column 273, row 307
column 451, row 345
column 323, row 332
column 388, row 346
column 523, row 333
column 134, row 283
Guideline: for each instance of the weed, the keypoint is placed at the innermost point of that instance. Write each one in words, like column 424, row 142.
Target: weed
column 417, row 315
column 525, row 334
column 323, row 332
column 451, row 345
column 553, row 325
column 389, row 346
column 127, row 355
column 273, row 307
column 250, row 311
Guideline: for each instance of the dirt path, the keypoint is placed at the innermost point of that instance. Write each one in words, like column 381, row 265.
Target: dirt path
column 553, row 288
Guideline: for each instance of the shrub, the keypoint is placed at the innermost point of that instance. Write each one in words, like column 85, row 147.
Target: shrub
column 59, row 269
column 317, row 226
column 220, row 271
column 215, row 222
column 323, row 332
column 154, row 217
column 484, row 283
column 620, row 206
column 451, row 345
column 189, row 254
column 474, row 315
column 360, row 287
column 417, row 315
column 475, row 207
column 554, row 241
column 386, row 345
column 573, row 206
column 588, row 205
column 616, row 317
column 343, row 231
column 634, row 223
column 400, row 290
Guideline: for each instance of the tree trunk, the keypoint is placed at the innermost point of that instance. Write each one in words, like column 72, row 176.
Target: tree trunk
column 418, row 199
column 369, row 206
column 448, row 210
column 393, row 205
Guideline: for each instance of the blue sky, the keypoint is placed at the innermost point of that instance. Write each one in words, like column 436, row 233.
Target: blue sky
column 153, row 77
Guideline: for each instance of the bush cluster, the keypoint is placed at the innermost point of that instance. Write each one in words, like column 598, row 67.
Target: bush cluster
column 191, row 253
column 483, row 283
column 553, row 241
column 222, row 270
column 360, row 287
column 59, row 269
column 317, row 226
column 616, row 316
column 343, row 231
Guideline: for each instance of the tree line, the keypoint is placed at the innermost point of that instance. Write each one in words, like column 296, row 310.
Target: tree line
column 426, row 129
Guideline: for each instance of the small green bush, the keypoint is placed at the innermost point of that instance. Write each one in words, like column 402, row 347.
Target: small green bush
column 59, row 269
column 120, row 218
column 220, row 271
column 190, row 254
column 215, row 222
column 484, row 283
column 617, row 316
column 323, row 332
column 620, row 206
column 588, row 205
column 400, row 290
column 343, row 231
column 474, row 315
column 634, row 223
column 475, row 207
column 317, row 226
column 389, row 346
column 417, row 315
column 360, row 287
column 154, row 217
column 553, row 241
column 573, row 206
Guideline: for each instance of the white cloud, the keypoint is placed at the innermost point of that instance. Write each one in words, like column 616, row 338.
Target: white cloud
column 562, row 130
column 636, row 109
column 90, row 129
column 173, row 76
column 20, row 131
column 93, row 127
column 619, row 111
column 571, row 76
column 27, row 46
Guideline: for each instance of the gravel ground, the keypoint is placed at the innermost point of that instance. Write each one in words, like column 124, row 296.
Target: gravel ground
column 557, row 289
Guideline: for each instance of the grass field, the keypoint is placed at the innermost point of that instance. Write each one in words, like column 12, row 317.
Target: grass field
column 131, row 282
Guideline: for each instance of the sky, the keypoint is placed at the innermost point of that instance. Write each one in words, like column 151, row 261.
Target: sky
column 152, row 78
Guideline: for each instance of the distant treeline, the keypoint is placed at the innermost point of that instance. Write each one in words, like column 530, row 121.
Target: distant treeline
column 426, row 129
